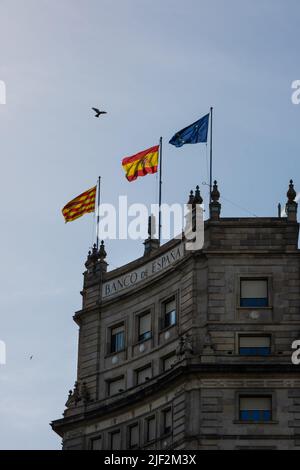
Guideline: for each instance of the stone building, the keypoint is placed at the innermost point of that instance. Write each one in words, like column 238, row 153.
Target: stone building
column 192, row 349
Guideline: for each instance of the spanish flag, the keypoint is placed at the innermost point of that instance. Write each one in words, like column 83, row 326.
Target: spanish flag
column 80, row 205
column 141, row 164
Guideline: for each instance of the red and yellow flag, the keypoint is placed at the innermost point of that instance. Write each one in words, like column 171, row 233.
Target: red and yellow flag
column 141, row 164
column 80, row 205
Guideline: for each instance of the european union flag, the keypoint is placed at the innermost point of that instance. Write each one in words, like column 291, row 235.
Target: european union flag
column 192, row 134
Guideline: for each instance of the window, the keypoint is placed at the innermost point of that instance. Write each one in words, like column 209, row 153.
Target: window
column 254, row 293
column 144, row 326
column 256, row 408
column 134, row 436
column 116, row 386
column 167, row 421
column 254, row 345
column 115, row 440
column 168, row 362
column 142, row 375
column 170, row 312
column 96, row 443
column 117, row 342
column 150, row 429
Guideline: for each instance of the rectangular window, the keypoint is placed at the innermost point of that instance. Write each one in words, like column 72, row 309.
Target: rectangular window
column 167, row 421
column 256, row 408
column 170, row 312
column 96, row 443
column 116, row 386
column 144, row 326
column 254, row 345
column 115, row 440
column 254, row 293
column 142, row 375
column 134, row 436
column 168, row 362
column 117, row 342
column 150, row 429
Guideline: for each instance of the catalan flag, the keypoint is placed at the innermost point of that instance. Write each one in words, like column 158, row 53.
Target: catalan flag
column 80, row 205
column 141, row 164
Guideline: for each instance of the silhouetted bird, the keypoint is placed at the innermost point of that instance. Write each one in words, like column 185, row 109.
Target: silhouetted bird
column 30, row 358
column 98, row 112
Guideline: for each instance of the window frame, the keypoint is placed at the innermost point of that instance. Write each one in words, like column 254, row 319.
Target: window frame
column 111, row 433
column 166, row 430
column 129, row 429
column 115, row 379
column 140, row 339
column 140, row 369
column 147, row 420
column 254, row 278
column 111, row 328
column 95, row 438
column 254, row 335
column 167, row 300
column 255, row 393
column 166, row 357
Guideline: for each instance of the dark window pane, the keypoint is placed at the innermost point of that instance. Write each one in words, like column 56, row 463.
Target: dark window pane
column 244, row 415
column 254, row 293
column 115, row 442
column 170, row 318
column 117, row 341
column 96, row 444
column 134, row 437
column 263, row 351
column 144, row 327
column 167, row 421
column 252, row 302
column 150, row 429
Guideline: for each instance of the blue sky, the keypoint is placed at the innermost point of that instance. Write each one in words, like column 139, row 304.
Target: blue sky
column 155, row 66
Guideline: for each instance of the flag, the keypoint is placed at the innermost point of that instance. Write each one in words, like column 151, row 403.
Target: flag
column 141, row 164
column 192, row 134
column 80, row 205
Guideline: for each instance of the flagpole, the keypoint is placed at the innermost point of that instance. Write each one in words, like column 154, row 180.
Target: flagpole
column 98, row 212
column 210, row 159
column 160, row 185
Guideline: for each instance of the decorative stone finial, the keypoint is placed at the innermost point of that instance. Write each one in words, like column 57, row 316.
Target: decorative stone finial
column 215, row 206
column 291, row 205
column 152, row 243
column 191, row 197
column 291, row 194
column 92, row 256
column 198, row 199
column 102, row 252
column 215, row 194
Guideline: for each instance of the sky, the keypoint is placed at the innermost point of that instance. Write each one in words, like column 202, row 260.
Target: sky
column 155, row 66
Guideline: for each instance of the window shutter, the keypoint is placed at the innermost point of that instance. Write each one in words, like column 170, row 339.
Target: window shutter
column 134, row 436
column 96, row 444
column 254, row 341
column 151, row 434
column 254, row 289
column 115, row 386
column 118, row 329
column 144, row 323
column 169, row 361
column 255, row 403
column 143, row 373
column 170, row 306
column 115, row 440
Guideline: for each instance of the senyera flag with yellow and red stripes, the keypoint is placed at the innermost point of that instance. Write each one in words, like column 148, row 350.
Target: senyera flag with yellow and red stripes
column 141, row 164
column 80, row 205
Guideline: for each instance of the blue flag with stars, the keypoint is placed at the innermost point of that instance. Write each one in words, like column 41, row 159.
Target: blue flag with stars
column 192, row 134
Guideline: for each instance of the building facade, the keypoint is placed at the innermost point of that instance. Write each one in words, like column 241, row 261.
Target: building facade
column 184, row 349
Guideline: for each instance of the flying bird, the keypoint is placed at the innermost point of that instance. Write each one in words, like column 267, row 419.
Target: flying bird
column 98, row 112
column 30, row 358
